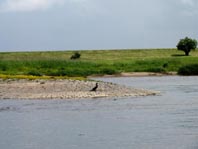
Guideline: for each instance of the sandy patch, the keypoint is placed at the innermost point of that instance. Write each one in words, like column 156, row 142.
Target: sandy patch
column 65, row 89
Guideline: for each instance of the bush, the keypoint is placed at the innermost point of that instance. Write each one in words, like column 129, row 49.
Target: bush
column 108, row 71
column 3, row 68
column 165, row 65
column 191, row 69
column 76, row 55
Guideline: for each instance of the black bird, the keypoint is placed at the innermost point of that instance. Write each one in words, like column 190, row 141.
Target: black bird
column 95, row 88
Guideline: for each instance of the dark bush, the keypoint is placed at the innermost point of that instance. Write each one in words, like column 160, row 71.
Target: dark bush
column 3, row 68
column 191, row 69
column 76, row 55
column 108, row 71
column 165, row 65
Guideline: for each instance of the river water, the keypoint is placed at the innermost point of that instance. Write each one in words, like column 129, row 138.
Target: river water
column 167, row 121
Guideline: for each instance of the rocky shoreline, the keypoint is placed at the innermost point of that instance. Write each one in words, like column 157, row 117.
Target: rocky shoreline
column 65, row 89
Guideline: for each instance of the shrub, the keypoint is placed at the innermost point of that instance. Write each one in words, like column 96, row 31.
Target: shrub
column 191, row 69
column 165, row 65
column 108, row 71
column 3, row 68
column 76, row 55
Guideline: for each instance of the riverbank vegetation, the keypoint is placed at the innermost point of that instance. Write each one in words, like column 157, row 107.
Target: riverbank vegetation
column 93, row 62
column 191, row 69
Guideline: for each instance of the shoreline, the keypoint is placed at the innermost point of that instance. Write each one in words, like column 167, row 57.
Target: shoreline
column 135, row 74
column 66, row 89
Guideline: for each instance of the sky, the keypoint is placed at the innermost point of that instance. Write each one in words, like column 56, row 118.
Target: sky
column 39, row 25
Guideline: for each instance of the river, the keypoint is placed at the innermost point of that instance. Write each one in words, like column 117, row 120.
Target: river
column 167, row 121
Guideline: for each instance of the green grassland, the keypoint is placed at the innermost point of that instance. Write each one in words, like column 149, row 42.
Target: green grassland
column 93, row 62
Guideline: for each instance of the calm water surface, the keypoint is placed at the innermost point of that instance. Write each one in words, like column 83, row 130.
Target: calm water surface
column 168, row 121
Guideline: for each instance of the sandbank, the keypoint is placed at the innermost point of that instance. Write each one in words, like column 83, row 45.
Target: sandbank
column 65, row 89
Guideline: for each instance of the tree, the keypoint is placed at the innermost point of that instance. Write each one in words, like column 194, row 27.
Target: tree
column 186, row 45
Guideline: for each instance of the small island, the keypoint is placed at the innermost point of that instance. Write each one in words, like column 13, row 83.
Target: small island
column 65, row 89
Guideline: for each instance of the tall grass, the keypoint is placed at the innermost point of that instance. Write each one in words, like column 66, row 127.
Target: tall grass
column 54, row 68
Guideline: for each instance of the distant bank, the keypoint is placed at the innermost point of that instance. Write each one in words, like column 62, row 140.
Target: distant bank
column 93, row 62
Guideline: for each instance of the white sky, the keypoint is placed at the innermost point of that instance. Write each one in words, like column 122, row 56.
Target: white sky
column 95, row 24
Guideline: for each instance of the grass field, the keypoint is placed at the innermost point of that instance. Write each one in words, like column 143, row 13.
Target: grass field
column 93, row 62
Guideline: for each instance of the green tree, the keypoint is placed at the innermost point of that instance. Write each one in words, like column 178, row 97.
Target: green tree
column 186, row 45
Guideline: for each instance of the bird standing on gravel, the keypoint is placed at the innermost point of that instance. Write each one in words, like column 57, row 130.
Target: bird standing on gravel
column 95, row 88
